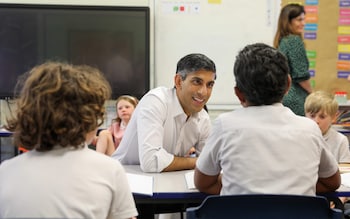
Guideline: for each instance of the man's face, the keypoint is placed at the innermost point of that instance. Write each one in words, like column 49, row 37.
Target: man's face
column 195, row 90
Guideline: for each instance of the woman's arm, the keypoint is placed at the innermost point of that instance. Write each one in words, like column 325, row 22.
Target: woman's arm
column 306, row 85
column 293, row 48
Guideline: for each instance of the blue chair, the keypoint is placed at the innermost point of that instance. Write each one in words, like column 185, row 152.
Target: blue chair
column 264, row 206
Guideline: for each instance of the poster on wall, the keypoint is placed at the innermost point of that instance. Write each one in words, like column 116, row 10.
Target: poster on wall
column 327, row 41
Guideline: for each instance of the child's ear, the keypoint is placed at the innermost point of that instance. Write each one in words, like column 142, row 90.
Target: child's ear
column 289, row 83
column 240, row 96
column 334, row 117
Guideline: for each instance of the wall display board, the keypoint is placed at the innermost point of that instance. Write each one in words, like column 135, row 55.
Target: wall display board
column 216, row 28
column 327, row 39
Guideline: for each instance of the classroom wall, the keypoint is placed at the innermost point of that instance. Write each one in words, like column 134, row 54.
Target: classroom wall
column 326, row 36
column 217, row 28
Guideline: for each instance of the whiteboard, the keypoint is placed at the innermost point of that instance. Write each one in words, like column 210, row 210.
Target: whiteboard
column 216, row 28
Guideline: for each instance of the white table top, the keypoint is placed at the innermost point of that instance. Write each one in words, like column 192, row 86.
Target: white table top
column 5, row 133
column 172, row 183
column 165, row 182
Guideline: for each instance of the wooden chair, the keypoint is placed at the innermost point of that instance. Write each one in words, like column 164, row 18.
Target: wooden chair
column 264, row 206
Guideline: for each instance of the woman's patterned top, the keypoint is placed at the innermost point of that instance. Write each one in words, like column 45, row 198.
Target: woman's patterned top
column 293, row 48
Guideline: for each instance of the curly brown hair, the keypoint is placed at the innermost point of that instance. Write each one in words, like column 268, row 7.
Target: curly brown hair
column 59, row 104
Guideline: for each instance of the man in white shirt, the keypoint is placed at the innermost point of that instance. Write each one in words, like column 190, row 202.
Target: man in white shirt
column 169, row 125
column 264, row 147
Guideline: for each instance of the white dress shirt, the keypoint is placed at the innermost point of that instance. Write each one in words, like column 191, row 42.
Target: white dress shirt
column 159, row 129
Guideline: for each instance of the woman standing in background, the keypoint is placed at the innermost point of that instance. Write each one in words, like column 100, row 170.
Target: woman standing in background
column 289, row 41
column 108, row 140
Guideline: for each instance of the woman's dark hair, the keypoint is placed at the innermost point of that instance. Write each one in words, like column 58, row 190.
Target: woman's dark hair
column 284, row 28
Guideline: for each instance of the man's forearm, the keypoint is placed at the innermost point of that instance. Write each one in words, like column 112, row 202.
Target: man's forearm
column 181, row 163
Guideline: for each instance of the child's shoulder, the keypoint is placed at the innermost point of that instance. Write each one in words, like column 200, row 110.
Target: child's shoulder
column 335, row 132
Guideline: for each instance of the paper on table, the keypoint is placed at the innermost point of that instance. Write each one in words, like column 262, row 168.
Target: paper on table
column 140, row 184
column 189, row 180
column 345, row 179
column 3, row 129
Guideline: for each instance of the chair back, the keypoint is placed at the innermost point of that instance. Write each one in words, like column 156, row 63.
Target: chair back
column 264, row 206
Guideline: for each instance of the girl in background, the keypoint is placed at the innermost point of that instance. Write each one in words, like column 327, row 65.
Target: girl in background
column 108, row 140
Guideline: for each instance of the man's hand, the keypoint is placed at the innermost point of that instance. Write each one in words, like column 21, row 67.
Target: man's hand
column 191, row 152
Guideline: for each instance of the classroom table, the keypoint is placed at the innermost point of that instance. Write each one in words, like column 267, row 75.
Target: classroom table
column 171, row 194
column 5, row 133
column 344, row 190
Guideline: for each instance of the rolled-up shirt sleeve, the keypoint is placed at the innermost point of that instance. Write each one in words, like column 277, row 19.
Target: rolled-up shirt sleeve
column 153, row 156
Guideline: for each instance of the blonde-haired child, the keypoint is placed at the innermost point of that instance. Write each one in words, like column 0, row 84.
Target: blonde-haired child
column 109, row 139
column 321, row 107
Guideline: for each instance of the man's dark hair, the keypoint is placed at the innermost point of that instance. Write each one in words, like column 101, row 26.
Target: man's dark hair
column 194, row 62
column 261, row 73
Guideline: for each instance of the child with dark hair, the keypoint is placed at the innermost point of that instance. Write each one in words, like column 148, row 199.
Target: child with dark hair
column 249, row 148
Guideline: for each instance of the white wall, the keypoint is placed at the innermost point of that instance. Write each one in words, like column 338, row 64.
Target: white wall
column 216, row 30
